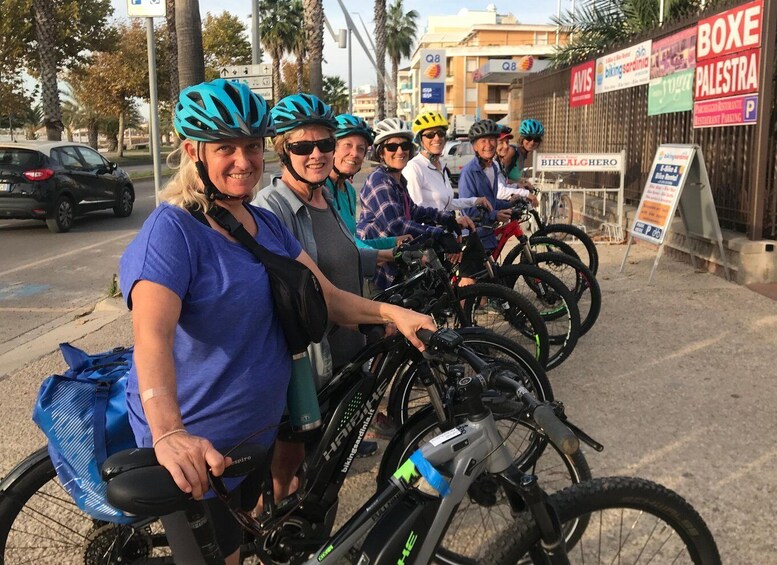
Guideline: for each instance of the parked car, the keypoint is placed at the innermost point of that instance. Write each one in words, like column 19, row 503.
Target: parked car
column 456, row 154
column 56, row 181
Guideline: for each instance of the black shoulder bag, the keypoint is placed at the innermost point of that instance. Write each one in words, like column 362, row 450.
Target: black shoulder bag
column 296, row 291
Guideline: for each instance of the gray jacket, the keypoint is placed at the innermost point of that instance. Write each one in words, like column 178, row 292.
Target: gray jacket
column 284, row 203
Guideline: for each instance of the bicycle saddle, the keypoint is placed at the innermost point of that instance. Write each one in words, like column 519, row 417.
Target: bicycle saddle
column 138, row 484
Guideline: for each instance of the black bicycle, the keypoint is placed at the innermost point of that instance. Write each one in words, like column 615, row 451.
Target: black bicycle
column 39, row 523
column 408, row 517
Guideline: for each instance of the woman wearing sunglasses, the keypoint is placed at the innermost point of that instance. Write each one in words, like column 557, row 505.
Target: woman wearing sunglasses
column 530, row 133
column 386, row 206
column 428, row 182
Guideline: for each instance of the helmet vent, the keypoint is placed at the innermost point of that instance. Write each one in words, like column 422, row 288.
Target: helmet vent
column 226, row 116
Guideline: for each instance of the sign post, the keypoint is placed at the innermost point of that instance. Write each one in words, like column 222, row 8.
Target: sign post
column 257, row 77
column 151, row 9
column 678, row 178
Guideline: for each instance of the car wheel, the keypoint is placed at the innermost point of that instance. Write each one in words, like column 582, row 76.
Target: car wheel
column 62, row 220
column 126, row 202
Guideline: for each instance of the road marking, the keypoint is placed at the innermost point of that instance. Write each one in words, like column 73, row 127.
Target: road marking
column 60, row 256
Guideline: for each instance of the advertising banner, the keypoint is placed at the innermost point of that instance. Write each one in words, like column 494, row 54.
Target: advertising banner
column 623, row 69
column 673, row 93
column 581, row 84
column 560, row 162
column 728, row 75
column 433, row 71
column 659, row 200
column 729, row 32
column 672, row 61
column 734, row 111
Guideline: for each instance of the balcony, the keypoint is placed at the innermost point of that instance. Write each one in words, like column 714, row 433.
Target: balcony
column 496, row 107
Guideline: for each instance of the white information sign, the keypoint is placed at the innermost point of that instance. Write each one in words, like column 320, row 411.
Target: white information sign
column 255, row 82
column 678, row 180
column 624, row 69
column 240, row 71
column 568, row 162
column 146, row 8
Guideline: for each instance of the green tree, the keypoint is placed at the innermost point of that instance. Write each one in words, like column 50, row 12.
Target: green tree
column 314, row 40
column 277, row 30
column 380, row 56
column 224, row 42
column 15, row 100
column 188, row 30
column 299, row 48
column 401, row 29
column 171, row 51
column 599, row 24
column 46, row 36
column 336, row 94
column 290, row 74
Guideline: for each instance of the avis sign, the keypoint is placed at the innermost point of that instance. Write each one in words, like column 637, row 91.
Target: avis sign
column 728, row 55
column 581, row 85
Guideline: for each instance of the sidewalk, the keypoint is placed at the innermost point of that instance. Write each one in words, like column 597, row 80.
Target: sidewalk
column 676, row 379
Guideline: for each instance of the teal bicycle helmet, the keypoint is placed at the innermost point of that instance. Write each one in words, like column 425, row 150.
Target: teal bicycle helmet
column 298, row 110
column 348, row 124
column 531, row 128
column 221, row 109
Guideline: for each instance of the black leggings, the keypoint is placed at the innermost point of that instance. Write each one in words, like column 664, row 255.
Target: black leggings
column 229, row 534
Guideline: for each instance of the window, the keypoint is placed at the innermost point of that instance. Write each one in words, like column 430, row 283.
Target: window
column 92, row 158
column 472, row 64
column 540, row 38
column 466, row 149
column 449, row 66
column 472, row 95
column 67, row 157
column 497, row 94
column 20, row 157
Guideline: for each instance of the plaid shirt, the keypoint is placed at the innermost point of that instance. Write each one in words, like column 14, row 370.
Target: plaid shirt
column 388, row 210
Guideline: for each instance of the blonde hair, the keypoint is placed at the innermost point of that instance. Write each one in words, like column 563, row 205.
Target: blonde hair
column 185, row 189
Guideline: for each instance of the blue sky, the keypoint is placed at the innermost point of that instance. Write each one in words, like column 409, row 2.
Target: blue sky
column 537, row 11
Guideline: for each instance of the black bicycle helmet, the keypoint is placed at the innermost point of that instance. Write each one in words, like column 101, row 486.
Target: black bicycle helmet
column 484, row 128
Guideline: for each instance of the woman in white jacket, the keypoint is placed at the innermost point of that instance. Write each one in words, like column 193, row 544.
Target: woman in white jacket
column 428, row 182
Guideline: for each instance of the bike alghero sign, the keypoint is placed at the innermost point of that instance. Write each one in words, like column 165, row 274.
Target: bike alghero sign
column 433, row 71
column 568, row 162
column 146, row 8
column 728, row 56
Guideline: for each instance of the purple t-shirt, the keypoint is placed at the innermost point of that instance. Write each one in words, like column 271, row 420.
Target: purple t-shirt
column 231, row 360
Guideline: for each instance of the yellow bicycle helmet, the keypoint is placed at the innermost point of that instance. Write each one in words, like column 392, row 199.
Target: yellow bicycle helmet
column 427, row 120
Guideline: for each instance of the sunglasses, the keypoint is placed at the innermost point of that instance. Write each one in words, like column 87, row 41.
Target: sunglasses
column 534, row 139
column 306, row 147
column 433, row 134
column 405, row 145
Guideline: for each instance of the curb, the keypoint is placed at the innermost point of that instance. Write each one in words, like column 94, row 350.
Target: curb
column 43, row 340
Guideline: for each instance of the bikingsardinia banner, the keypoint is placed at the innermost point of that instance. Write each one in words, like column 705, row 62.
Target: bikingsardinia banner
column 624, row 69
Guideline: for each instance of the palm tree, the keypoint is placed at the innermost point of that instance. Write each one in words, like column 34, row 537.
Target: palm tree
column 380, row 56
column 336, row 94
column 314, row 38
column 277, row 30
column 299, row 43
column 599, row 24
column 188, row 29
column 45, row 33
column 401, row 29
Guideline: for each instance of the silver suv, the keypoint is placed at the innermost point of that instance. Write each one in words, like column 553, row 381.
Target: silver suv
column 456, row 154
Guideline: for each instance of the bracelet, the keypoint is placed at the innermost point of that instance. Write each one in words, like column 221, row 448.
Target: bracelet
column 166, row 435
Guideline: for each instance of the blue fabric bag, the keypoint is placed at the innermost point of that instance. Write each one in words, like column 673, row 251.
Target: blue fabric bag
column 83, row 413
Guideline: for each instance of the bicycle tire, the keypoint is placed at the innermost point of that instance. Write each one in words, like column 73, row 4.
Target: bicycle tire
column 591, row 255
column 498, row 308
column 408, row 395
column 580, row 280
column 40, row 523
column 486, row 499
column 555, row 302
column 541, row 245
column 621, row 495
column 562, row 213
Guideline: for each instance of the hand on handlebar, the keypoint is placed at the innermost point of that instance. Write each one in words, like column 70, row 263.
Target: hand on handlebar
column 409, row 323
column 400, row 239
column 482, row 202
column 466, row 221
column 504, row 216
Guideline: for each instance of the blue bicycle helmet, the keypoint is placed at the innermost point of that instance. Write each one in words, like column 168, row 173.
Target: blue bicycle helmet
column 221, row 109
column 348, row 124
column 532, row 128
column 298, row 110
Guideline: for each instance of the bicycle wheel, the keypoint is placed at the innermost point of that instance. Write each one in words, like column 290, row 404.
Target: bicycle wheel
column 504, row 311
column 586, row 248
column 485, row 514
column 561, row 213
column 408, row 394
column 631, row 521
column 40, row 523
column 541, row 245
column 555, row 303
column 580, row 280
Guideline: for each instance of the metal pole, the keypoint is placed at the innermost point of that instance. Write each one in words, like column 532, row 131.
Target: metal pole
column 255, row 54
column 350, row 72
column 660, row 12
column 762, row 126
column 155, row 138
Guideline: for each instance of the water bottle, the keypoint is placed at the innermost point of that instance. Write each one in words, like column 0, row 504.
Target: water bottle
column 302, row 398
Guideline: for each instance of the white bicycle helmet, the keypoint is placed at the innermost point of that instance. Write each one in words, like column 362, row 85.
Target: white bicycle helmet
column 392, row 127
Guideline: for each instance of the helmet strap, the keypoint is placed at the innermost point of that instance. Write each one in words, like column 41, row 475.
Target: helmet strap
column 312, row 186
column 433, row 158
column 211, row 192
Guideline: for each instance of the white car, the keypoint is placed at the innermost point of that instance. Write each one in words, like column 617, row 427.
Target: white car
column 456, row 154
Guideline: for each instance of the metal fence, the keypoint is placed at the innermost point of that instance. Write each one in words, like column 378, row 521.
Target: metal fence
column 618, row 120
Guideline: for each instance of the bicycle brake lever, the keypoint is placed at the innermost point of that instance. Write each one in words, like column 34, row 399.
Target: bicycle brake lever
column 582, row 436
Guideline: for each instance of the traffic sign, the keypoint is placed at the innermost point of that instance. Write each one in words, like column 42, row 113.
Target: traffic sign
column 240, row 71
column 255, row 82
column 146, row 8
